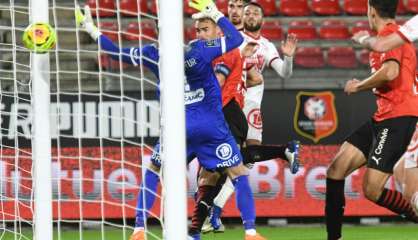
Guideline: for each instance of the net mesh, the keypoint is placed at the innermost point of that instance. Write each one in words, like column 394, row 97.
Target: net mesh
column 104, row 120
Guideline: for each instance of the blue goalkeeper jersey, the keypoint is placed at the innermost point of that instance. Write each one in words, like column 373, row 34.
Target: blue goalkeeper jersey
column 202, row 90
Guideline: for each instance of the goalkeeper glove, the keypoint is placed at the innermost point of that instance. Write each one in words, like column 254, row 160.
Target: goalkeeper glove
column 86, row 21
column 206, row 8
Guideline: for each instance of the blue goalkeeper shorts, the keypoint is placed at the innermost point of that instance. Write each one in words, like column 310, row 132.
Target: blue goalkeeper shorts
column 215, row 149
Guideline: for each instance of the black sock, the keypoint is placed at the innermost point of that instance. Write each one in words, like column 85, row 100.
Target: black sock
column 260, row 153
column 334, row 208
column 394, row 201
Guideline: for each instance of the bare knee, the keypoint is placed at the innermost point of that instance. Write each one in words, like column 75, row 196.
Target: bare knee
column 372, row 191
column 374, row 182
column 348, row 159
column 237, row 171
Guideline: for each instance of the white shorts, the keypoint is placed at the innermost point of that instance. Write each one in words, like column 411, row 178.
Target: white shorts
column 411, row 154
column 252, row 112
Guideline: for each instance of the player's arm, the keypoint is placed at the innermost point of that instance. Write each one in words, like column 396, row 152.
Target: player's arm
column 389, row 71
column 232, row 38
column 406, row 33
column 378, row 44
column 284, row 67
column 254, row 78
column 131, row 56
column 222, row 72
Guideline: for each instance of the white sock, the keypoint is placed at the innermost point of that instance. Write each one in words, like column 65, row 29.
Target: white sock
column 137, row 229
column 251, row 232
column 225, row 193
column 414, row 202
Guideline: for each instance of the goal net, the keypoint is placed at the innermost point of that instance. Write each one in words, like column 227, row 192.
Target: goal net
column 104, row 120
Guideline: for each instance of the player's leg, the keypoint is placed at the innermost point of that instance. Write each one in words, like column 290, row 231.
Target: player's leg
column 350, row 157
column 147, row 194
column 406, row 171
column 259, row 153
column 226, row 155
column 206, row 190
column 238, row 125
column 411, row 186
column 392, row 139
column 253, row 122
column 244, row 198
column 374, row 190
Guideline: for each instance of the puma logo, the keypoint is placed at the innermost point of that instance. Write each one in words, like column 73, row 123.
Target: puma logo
column 377, row 160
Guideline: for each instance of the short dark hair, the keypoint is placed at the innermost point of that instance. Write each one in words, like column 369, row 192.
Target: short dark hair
column 244, row 1
column 256, row 4
column 385, row 8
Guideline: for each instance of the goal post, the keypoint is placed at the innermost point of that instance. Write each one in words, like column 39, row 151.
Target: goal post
column 78, row 127
column 41, row 138
column 173, row 119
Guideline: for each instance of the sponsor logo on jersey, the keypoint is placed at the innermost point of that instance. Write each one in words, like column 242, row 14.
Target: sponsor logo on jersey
column 255, row 119
column 224, row 151
column 315, row 115
column 194, row 96
column 379, row 148
column 213, row 43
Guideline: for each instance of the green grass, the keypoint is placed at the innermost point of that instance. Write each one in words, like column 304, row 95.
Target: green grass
column 390, row 232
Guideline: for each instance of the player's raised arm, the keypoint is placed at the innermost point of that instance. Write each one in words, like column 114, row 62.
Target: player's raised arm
column 284, row 67
column 378, row 44
column 217, row 47
column 406, row 33
column 127, row 55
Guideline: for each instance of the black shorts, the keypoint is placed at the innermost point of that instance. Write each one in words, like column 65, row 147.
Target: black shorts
column 237, row 121
column 383, row 143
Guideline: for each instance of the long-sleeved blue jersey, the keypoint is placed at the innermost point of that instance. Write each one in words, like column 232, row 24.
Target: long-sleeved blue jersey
column 208, row 136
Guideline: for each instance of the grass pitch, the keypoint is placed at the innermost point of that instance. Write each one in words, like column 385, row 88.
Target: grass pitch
column 385, row 232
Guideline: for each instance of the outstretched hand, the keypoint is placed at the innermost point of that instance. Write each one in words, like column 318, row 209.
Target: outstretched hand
column 289, row 46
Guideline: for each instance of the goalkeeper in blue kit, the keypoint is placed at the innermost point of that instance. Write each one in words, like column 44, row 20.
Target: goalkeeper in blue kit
column 208, row 136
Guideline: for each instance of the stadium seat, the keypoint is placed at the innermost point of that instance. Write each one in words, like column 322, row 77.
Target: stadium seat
column 153, row 7
column 334, row 30
column 294, row 7
column 309, row 57
column 102, row 8
column 401, row 8
column 412, row 6
column 326, row 7
column 363, row 57
column 131, row 7
column 272, row 30
column 190, row 33
column 355, row 7
column 304, row 29
column 109, row 29
column 145, row 32
column 222, row 5
column 269, row 7
column 342, row 57
column 362, row 25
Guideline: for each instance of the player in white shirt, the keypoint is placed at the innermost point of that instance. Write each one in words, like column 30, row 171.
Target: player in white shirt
column 406, row 33
column 266, row 55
